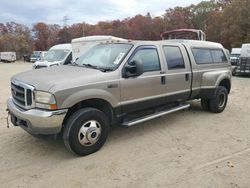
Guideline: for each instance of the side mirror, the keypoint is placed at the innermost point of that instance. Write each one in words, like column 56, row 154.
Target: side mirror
column 133, row 68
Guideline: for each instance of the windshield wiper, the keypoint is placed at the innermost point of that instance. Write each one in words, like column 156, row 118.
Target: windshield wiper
column 106, row 69
column 90, row 66
column 103, row 69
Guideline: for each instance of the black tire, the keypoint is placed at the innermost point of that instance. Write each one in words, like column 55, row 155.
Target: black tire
column 205, row 104
column 219, row 102
column 234, row 72
column 72, row 130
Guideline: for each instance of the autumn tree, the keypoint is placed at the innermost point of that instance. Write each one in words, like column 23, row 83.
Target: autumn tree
column 177, row 18
column 41, row 36
column 15, row 37
column 236, row 23
column 201, row 12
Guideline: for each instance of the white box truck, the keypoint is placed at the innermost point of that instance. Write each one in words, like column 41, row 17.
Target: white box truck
column 8, row 56
column 81, row 45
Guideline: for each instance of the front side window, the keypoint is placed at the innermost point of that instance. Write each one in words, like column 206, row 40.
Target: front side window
column 174, row 57
column 149, row 57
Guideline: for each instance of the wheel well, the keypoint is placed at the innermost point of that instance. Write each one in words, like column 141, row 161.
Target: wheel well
column 226, row 83
column 99, row 104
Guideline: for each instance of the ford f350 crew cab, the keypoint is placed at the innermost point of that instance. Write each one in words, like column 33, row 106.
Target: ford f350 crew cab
column 119, row 83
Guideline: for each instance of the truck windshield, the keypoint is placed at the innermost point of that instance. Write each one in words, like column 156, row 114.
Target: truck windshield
column 104, row 56
column 55, row 55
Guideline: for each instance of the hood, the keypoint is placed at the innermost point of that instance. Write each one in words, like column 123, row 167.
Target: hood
column 47, row 63
column 64, row 76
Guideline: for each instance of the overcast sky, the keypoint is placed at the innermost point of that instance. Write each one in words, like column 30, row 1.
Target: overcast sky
column 91, row 11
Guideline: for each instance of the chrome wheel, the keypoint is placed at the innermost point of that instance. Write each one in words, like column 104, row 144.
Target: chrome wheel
column 222, row 100
column 89, row 133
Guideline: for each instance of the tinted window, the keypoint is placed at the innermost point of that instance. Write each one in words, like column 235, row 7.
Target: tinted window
column 218, row 56
column 202, row 56
column 173, row 57
column 149, row 57
column 69, row 58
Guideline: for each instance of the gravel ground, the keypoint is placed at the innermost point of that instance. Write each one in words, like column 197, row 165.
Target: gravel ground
column 190, row 148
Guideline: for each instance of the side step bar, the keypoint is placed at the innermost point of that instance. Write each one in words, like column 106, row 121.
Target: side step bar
column 155, row 115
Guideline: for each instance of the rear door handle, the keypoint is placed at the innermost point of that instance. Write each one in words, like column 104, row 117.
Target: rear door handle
column 187, row 76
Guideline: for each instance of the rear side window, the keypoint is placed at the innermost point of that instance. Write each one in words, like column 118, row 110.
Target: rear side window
column 149, row 57
column 173, row 57
column 202, row 56
column 209, row 56
column 218, row 56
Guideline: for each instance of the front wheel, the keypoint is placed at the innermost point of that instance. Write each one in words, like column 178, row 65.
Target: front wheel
column 219, row 102
column 86, row 131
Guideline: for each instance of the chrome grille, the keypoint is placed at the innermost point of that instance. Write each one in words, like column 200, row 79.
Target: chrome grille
column 22, row 94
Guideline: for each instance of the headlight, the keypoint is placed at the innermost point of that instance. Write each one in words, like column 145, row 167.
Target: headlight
column 45, row 100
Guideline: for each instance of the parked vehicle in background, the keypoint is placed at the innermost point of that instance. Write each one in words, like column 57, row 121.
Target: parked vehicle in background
column 60, row 54
column 81, row 45
column 34, row 58
column 37, row 56
column 119, row 83
column 42, row 54
column 243, row 66
column 8, row 56
column 235, row 56
column 26, row 57
column 191, row 34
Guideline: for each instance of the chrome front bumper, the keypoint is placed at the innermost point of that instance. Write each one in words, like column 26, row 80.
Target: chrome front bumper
column 36, row 121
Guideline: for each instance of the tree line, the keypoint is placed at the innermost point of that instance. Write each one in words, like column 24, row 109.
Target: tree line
column 223, row 21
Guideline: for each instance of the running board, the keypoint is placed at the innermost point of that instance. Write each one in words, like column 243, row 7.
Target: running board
column 154, row 115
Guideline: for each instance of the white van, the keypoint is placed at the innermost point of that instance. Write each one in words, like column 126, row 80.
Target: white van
column 8, row 56
column 81, row 45
column 60, row 54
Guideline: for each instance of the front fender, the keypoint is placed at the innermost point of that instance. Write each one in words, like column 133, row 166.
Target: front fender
column 89, row 94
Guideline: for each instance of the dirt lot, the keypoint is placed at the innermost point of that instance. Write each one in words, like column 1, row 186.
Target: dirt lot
column 190, row 148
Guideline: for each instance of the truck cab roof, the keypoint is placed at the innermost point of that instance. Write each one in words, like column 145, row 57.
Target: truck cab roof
column 191, row 43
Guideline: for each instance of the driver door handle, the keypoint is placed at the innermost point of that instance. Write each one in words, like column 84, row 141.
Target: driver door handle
column 163, row 80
